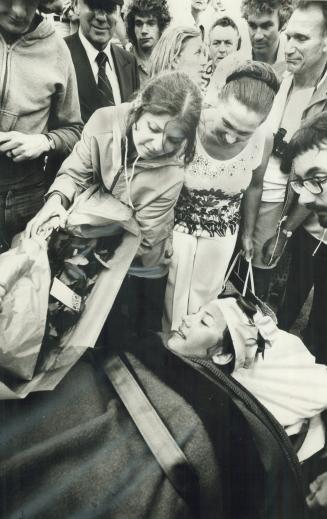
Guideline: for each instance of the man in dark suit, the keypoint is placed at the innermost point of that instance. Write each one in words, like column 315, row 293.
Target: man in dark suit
column 106, row 74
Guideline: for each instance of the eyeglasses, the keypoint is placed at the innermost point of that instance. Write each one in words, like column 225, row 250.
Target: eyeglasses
column 314, row 185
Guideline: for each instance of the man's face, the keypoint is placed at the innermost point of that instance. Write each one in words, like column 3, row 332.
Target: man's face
column 218, row 5
column 97, row 24
column 306, row 40
column 199, row 332
column 222, row 42
column 147, row 32
column 313, row 163
column 264, row 32
column 199, row 5
column 232, row 122
column 16, row 16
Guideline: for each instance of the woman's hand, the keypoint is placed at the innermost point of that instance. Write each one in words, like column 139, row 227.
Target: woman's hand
column 51, row 216
column 273, row 249
column 247, row 246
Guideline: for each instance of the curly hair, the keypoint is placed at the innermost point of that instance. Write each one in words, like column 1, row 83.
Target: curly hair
column 311, row 135
column 157, row 8
column 259, row 7
column 175, row 94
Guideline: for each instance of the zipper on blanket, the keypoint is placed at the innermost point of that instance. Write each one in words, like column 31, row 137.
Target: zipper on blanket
column 254, row 405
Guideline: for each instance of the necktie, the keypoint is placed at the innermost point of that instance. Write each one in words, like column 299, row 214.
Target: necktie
column 104, row 86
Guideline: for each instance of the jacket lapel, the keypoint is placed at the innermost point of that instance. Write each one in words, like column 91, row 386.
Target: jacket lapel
column 87, row 87
column 122, row 66
column 319, row 95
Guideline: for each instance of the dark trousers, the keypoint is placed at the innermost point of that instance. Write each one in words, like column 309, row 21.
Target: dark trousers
column 137, row 309
column 307, row 271
column 17, row 207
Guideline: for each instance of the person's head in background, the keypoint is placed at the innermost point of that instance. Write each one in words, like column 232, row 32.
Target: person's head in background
column 145, row 21
column 197, row 8
column 180, row 48
column 98, row 20
column 53, row 6
column 165, row 116
column 218, row 5
column 266, row 19
column 224, row 38
column 242, row 105
column 307, row 152
column 17, row 17
column 306, row 47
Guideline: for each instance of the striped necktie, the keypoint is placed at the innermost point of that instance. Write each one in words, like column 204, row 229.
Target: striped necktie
column 104, row 86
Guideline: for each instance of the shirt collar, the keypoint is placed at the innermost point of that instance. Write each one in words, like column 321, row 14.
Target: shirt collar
column 91, row 51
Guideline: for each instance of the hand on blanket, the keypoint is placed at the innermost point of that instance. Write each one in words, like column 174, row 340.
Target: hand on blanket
column 51, row 216
column 318, row 496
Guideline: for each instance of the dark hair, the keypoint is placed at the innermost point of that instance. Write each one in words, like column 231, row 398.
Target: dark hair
column 254, row 84
column 312, row 134
column 173, row 93
column 157, row 8
column 304, row 4
column 224, row 21
column 259, row 7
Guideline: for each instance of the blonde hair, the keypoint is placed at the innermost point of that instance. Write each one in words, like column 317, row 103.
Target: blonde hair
column 166, row 53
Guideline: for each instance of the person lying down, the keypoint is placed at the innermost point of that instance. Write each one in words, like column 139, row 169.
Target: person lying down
column 274, row 365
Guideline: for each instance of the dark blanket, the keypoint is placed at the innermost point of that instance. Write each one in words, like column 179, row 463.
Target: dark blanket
column 75, row 452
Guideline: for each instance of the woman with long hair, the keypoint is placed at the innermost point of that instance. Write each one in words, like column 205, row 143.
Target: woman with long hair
column 222, row 189
column 136, row 151
column 180, row 48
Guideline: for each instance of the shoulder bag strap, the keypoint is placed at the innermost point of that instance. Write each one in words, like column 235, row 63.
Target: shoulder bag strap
column 154, row 432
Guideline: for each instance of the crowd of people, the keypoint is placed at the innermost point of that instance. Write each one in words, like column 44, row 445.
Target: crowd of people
column 207, row 121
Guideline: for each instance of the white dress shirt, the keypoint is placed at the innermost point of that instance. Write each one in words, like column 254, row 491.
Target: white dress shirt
column 92, row 53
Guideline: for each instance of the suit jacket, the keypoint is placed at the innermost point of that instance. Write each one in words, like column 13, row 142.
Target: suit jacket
column 126, row 70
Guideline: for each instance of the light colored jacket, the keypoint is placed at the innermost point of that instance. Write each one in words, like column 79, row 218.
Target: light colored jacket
column 38, row 89
column 151, row 188
column 38, row 94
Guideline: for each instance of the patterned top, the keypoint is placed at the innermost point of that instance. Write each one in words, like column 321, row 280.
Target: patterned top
column 209, row 204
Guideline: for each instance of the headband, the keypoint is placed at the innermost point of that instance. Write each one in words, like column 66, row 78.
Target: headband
column 251, row 74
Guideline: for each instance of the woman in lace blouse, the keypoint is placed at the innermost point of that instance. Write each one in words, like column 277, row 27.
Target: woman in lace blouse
column 228, row 168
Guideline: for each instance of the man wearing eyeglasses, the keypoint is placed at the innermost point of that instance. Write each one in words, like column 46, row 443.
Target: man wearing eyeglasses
column 106, row 74
column 307, row 159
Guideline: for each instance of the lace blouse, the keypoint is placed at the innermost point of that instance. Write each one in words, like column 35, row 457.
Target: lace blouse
column 209, row 203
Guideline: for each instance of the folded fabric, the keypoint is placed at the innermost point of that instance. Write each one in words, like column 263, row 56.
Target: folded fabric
column 25, row 280
column 287, row 381
column 95, row 213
